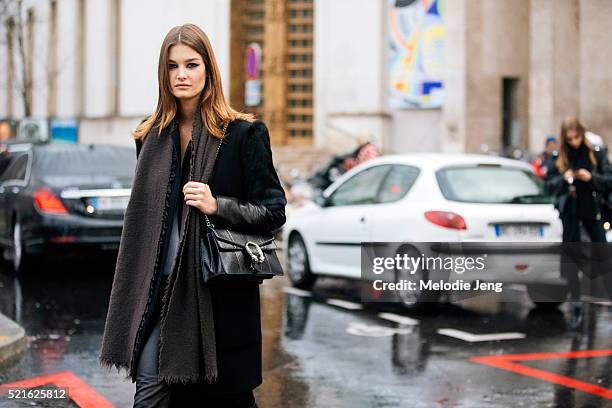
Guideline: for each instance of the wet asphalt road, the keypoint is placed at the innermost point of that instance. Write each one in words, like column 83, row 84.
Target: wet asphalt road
column 337, row 354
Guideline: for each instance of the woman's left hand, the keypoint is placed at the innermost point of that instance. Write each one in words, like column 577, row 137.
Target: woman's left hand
column 199, row 195
column 583, row 175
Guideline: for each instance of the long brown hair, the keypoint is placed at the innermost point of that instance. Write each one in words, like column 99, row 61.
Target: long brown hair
column 571, row 123
column 215, row 109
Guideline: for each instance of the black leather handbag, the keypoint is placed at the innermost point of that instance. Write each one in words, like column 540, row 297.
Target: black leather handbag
column 232, row 255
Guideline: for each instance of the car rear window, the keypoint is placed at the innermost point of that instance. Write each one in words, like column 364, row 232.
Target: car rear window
column 491, row 184
column 85, row 161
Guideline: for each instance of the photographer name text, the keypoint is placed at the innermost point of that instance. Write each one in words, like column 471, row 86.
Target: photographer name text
column 439, row 285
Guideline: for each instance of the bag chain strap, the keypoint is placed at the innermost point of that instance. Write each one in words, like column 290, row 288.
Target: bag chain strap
column 208, row 223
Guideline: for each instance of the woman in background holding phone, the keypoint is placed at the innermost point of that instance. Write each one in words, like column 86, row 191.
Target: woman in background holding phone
column 577, row 181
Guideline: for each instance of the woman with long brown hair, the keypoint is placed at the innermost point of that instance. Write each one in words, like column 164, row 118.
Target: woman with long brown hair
column 181, row 339
column 577, row 181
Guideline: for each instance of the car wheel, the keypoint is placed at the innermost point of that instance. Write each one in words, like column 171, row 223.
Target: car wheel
column 299, row 266
column 415, row 299
column 20, row 259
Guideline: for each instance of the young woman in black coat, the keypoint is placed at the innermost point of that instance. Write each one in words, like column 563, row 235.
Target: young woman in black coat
column 243, row 193
column 578, row 181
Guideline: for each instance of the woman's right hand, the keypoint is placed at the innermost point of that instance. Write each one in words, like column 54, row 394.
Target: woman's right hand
column 568, row 174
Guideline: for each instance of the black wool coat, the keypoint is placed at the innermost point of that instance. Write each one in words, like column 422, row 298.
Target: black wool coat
column 601, row 183
column 250, row 198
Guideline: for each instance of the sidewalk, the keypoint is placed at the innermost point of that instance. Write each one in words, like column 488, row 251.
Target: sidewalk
column 13, row 341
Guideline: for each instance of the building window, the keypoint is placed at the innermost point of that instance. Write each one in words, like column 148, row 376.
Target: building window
column 300, row 69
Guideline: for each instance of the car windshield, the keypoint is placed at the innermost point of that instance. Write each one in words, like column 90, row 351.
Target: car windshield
column 80, row 160
column 491, row 184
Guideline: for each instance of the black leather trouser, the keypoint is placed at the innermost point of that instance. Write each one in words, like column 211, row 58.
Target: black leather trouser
column 151, row 393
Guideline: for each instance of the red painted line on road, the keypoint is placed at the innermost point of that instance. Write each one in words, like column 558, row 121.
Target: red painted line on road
column 79, row 391
column 550, row 356
column 508, row 362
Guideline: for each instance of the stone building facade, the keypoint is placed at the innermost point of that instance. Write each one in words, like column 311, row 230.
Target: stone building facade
column 512, row 69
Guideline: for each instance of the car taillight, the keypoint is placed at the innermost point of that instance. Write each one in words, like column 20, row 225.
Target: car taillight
column 446, row 219
column 47, row 202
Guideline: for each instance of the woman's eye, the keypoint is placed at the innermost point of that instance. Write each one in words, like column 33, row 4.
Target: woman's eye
column 171, row 66
column 192, row 65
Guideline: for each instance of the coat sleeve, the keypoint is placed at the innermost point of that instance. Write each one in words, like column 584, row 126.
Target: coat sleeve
column 602, row 178
column 264, row 207
column 554, row 180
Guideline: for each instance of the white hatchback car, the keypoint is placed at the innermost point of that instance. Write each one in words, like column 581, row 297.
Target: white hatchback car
column 424, row 197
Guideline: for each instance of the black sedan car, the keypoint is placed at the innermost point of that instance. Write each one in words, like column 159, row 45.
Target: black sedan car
column 59, row 198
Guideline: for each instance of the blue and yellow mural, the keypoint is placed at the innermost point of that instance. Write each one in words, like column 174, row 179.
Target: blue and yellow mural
column 416, row 53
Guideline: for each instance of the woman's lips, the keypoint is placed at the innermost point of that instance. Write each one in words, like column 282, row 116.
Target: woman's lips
column 183, row 86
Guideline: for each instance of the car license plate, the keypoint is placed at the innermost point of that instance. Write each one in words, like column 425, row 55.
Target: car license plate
column 110, row 203
column 519, row 230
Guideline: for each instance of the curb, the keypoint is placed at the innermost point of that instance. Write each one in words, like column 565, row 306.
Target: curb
column 13, row 341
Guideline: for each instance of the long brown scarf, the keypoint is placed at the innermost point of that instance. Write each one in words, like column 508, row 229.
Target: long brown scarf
column 187, row 337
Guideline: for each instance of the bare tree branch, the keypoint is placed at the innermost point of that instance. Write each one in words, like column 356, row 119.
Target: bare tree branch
column 11, row 17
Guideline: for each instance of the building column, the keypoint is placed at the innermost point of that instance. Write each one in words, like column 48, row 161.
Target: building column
column 554, row 86
column 453, row 129
column 595, row 80
column 275, row 89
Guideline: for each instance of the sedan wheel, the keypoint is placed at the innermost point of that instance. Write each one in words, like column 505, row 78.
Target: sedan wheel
column 409, row 298
column 417, row 298
column 21, row 259
column 17, row 247
column 299, row 266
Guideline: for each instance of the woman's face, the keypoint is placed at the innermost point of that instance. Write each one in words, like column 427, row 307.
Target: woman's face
column 186, row 72
column 574, row 139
